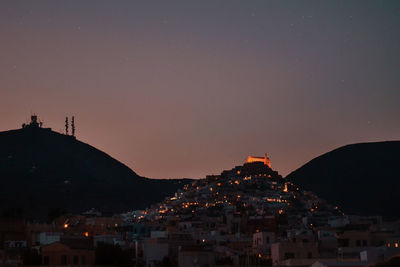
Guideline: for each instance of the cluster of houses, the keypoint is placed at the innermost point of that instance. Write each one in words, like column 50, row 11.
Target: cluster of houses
column 247, row 216
column 68, row 240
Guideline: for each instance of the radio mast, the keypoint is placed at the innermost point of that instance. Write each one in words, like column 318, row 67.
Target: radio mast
column 66, row 125
column 73, row 126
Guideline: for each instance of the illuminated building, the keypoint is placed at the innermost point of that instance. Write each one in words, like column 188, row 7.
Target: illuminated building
column 266, row 160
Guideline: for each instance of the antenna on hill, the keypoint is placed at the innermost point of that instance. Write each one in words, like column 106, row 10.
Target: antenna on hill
column 73, row 126
column 66, row 125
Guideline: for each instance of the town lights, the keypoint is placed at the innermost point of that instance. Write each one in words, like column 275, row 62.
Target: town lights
column 285, row 189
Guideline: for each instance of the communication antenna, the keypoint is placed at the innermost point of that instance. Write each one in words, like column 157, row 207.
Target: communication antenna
column 73, row 126
column 66, row 125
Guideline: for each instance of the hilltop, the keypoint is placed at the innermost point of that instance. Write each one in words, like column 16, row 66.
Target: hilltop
column 361, row 178
column 42, row 172
column 252, row 195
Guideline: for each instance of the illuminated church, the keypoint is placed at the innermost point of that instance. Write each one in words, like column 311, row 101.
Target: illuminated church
column 265, row 160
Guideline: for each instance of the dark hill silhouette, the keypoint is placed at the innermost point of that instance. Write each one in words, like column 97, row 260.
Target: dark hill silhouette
column 42, row 171
column 361, row 178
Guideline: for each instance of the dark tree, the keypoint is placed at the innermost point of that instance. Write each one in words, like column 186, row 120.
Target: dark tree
column 32, row 257
column 106, row 254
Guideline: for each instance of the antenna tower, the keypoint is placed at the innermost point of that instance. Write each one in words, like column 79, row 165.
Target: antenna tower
column 66, row 125
column 73, row 126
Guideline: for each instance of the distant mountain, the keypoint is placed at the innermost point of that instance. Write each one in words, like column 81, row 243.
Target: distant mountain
column 361, row 178
column 42, row 172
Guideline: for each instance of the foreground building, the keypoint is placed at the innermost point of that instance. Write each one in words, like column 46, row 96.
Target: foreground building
column 71, row 251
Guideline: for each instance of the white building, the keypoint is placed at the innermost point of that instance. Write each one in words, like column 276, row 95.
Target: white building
column 262, row 242
column 155, row 249
column 46, row 238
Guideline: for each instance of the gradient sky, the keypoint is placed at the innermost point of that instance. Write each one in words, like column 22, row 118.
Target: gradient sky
column 189, row 88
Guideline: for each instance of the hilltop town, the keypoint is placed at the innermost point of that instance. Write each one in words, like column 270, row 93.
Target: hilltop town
column 246, row 216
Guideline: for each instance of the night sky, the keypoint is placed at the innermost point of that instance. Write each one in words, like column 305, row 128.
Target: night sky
column 189, row 88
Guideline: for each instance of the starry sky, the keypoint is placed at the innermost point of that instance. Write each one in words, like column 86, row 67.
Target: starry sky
column 189, row 88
